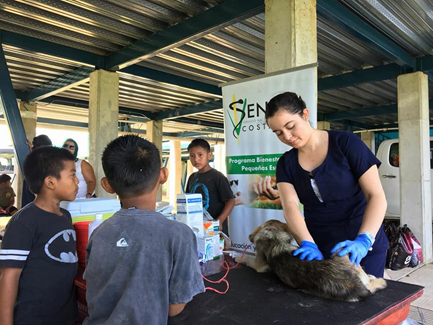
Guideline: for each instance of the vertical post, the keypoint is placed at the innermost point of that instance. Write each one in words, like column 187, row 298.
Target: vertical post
column 175, row 173
column 12, row 112
column 368, row 139
column 29, row 116
column 154, row 135
column 414, row 149
column 103, row 117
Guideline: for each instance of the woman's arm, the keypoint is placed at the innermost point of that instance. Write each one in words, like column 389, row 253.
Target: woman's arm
column 295, row 220
column 89, row 176
column 376, row 201
column 9, row 278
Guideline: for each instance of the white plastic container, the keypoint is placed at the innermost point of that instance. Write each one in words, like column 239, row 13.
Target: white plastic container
column 85, row 209
column 94, row 224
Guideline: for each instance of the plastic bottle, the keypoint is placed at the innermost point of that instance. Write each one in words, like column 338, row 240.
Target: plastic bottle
column 93, row 225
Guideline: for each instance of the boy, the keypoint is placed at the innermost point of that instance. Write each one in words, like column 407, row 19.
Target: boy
column 140, row 266
column 214, row 187
column 7, row 196
column 38, row 258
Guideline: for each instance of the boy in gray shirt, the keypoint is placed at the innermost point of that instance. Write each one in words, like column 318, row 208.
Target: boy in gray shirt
column 141, row 267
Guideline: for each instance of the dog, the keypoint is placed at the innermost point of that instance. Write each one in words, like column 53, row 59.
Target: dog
column 336, row 278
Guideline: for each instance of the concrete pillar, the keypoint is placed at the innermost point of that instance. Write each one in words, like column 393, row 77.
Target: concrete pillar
column 189, row 170
column 414, row 148
column 323, row 125
column 154, row 135
column 103, row 117
column 368, row 139
column 29, row 116
column 291, row 34
column 219, row 157
column 175, row 172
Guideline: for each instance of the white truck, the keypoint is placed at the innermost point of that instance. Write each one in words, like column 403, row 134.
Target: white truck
column 388, row 154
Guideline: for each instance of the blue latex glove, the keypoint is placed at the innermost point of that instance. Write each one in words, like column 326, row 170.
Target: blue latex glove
column 309, row 251
column 357, row 248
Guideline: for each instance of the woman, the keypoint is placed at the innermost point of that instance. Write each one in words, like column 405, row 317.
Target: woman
column 84, row 172
column 335, row 176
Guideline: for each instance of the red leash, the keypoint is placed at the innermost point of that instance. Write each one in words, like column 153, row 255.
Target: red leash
column 223, row 279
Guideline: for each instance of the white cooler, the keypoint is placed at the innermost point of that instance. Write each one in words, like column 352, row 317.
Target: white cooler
column 85, row 209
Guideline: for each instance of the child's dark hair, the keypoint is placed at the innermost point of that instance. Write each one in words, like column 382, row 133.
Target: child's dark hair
column 199, row 143
column 41, row 140
column 288, row 101
column 131, row 165
column 4, row 178
column 43, row 162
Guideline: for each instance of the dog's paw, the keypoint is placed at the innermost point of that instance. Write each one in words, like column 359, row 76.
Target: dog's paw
column 239, row 259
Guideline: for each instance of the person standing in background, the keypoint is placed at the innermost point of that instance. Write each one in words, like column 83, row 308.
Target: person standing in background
column 39, row 141
column 218, row 198
column 84, row 171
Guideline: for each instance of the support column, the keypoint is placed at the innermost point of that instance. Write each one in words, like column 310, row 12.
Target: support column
column 323, row 125
column 414, row 148
column 368, row 139
column 103, row 117
column 189, row 170
column 175, row 172
column 219, row 158
column 28, row 113
column 291, row 34
column 154, row 135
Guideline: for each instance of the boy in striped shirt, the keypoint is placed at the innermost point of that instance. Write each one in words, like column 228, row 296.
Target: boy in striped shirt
column 38, row 259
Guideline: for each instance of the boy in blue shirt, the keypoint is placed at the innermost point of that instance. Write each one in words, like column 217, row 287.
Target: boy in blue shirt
column 38, row 258
column 141, row 267
column 218, row 198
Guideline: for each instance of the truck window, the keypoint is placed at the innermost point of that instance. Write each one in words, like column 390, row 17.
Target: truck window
column 394, row 155
column 394, row 158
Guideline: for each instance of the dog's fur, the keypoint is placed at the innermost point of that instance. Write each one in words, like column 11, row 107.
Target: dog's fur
column 335, row 278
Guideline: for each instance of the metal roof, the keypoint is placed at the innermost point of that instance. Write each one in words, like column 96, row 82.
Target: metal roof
column 172, row 54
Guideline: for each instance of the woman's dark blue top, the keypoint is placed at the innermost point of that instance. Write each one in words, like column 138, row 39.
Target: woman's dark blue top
column 339, row 216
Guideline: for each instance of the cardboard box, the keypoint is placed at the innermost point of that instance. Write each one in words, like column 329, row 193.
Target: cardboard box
column 85, row 209
column 190, row 211
column 211, row 227
column 210, row 247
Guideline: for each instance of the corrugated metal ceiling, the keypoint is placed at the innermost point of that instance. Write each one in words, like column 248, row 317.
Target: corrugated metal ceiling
column 232, row 52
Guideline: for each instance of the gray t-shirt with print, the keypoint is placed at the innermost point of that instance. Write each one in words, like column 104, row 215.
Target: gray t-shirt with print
column 138, row 262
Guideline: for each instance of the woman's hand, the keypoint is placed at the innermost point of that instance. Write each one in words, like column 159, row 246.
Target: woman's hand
column 309, row 251
column 357, row 248
column 264, row 188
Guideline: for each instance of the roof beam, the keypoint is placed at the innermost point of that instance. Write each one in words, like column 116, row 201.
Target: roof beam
column 199, row 122
column 199, row 108
column 208, row 21
column 368, row 111
column 49, row 48
column 351, row 23
column 148, row 73
column 384, row 72
column 62, row 83
column 83, row 104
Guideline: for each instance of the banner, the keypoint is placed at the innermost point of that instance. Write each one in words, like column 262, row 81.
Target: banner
column 253, row 150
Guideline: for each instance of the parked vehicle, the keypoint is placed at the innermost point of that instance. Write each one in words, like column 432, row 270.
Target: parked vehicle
column 388, row 154
column 7, row 164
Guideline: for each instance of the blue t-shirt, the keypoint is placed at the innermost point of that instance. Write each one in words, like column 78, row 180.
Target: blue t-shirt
column 335, row 214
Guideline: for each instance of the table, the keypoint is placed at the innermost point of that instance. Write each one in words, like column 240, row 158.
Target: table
column 261, row 298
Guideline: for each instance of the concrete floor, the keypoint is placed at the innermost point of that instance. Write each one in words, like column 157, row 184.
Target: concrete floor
column 421, row 311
